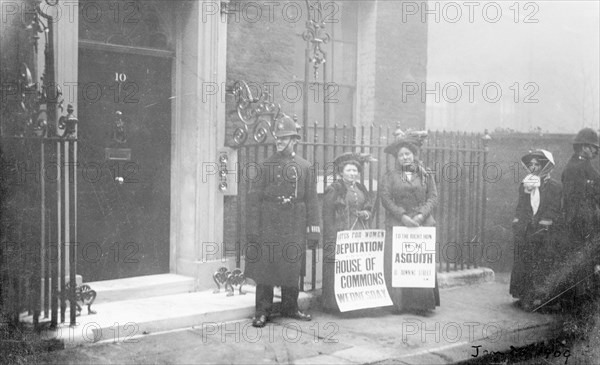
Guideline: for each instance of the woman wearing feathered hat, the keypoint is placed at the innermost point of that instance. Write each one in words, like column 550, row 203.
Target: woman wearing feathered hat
column 534, row 226
column 409, row 195
column 347, row 205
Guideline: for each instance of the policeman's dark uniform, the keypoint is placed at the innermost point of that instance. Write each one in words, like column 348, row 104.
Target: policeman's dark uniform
column 581, row 194
column 282, row 209
column 581, row 201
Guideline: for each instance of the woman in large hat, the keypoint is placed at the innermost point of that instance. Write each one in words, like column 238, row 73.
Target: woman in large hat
column 347, row 205
column 534, row 226
column 409, row 195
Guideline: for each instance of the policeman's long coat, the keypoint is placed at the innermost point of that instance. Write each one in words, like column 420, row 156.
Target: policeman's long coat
column 281, row 228
column 581, row 205
column 581, row 197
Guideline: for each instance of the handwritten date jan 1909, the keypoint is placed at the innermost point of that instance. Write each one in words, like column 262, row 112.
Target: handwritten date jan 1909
column 531, row 351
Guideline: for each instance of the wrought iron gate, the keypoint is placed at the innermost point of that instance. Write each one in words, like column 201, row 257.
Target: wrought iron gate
column 39, row 180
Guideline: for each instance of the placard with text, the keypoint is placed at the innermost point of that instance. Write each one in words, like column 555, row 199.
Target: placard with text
column 359, row 279
column 413, row 260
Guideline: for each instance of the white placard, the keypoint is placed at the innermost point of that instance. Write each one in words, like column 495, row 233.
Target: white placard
column 359, row 278
column 413, row 260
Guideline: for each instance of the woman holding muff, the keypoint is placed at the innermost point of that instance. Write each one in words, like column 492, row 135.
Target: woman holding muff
column 409, row 195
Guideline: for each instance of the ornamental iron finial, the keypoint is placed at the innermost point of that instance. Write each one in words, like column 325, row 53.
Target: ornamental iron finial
column 38, row 97
column 316, row 34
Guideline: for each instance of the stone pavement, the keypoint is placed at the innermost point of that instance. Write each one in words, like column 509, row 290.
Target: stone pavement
column 470, row 316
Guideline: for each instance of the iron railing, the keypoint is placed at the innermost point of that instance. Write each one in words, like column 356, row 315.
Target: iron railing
column 40, row 213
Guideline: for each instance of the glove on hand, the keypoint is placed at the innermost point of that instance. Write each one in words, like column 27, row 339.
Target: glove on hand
column 364, row 215
column 408, row 221
column 419, row 218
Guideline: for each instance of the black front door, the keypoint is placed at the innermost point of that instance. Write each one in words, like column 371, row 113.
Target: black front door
column 124, row 164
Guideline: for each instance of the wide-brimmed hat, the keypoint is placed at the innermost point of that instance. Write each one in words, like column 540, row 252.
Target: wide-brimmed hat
column 540, row 154
column 545, row 158
column 356, row 159
column 411, row 140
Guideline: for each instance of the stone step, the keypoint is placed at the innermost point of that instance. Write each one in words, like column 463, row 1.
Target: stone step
column 140, row 287
column 126, row 320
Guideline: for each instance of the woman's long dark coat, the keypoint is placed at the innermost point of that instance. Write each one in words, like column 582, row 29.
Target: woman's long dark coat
column 335, row 218
column 280, row 229
column 400, row 196
column 536, row 249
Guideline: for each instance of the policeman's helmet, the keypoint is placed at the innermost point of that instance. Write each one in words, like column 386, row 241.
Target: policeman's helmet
column 285, row 127
column 587, row 136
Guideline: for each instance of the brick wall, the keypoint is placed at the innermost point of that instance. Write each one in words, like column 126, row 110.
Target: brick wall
column 401, row 57
column 366, row 54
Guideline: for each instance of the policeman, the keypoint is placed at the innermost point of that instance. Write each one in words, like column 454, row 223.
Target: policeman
column 282, row 216
column 581, row 201
column 581, row 184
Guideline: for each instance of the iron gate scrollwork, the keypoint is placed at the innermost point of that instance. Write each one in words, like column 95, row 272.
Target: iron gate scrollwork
column 40, row 239
column 227, row 279
column 258, row 114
